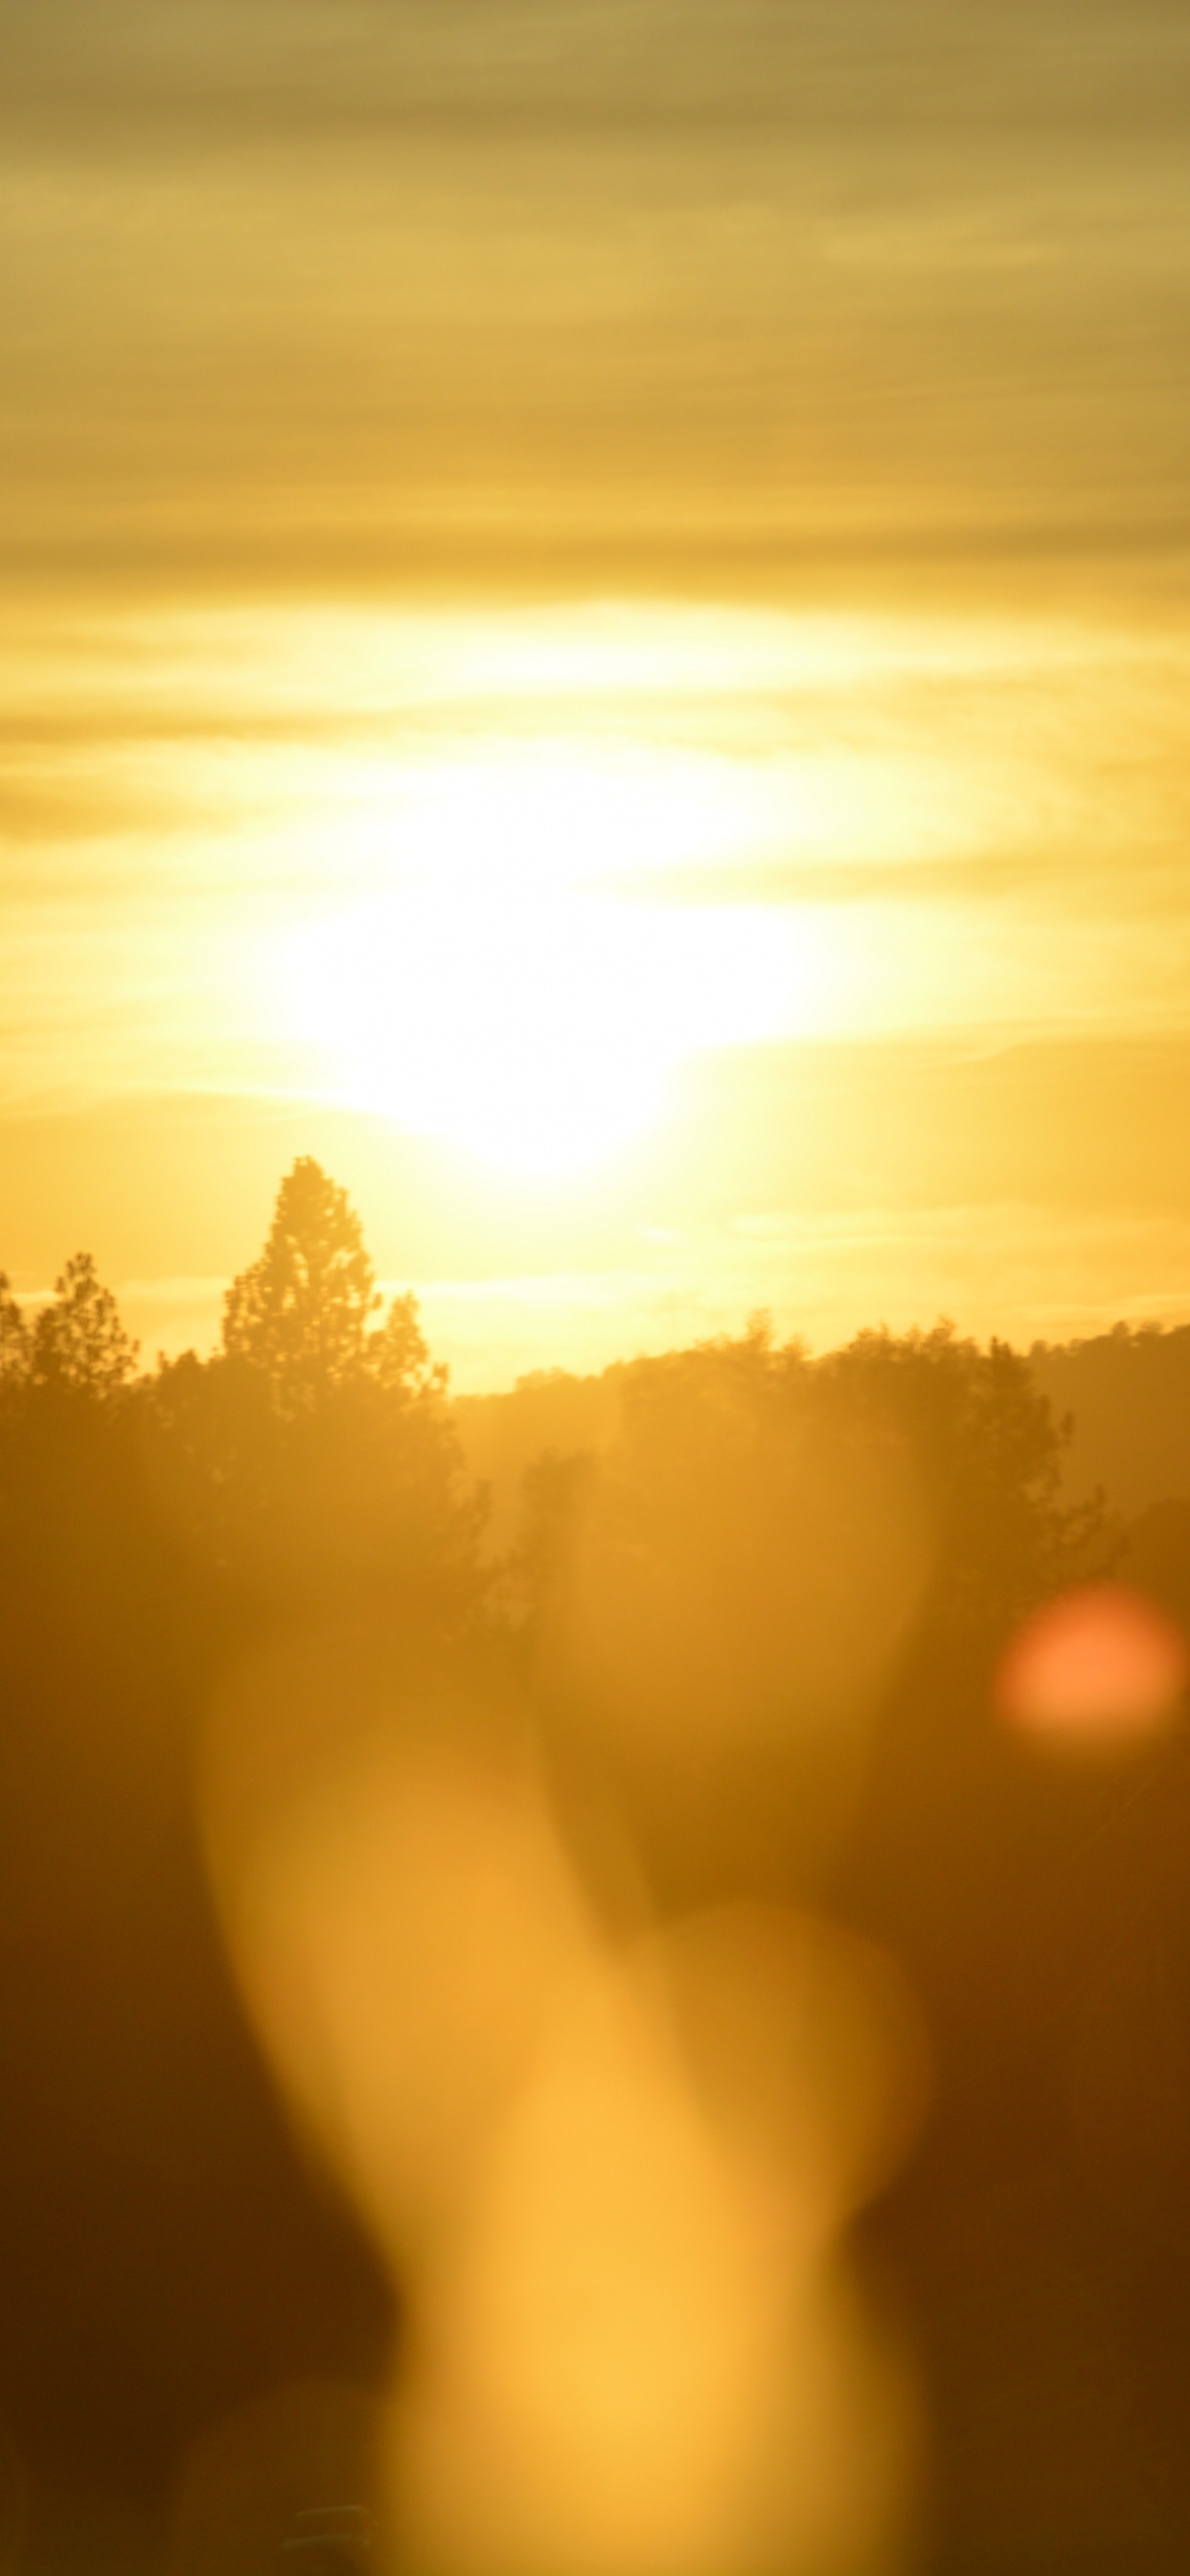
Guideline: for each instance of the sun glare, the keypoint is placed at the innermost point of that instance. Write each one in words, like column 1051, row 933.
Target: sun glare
column 509, row 990
column 547, row 862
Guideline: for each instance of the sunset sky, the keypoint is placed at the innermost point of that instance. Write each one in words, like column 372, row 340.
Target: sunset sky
column 596, row 631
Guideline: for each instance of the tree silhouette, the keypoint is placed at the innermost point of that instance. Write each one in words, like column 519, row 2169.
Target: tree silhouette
column 79, row 1345
column 15, row 1339
column 740, row 1439
column 300, row 1314
column 397, row 1355
column 987, row 1452
column 316, row 1450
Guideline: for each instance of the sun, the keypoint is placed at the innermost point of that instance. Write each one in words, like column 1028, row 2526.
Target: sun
column 521, row 986
column 511, row 1027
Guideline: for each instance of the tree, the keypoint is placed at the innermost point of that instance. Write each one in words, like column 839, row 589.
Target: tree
column 397, row 1356
column 986, row 1454
column 15, row 1339
column 300, row 1314
column 79, row 1345
column 315, row 1455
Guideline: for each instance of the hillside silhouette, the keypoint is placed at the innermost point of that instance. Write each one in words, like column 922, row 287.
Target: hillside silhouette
column 751, row 1605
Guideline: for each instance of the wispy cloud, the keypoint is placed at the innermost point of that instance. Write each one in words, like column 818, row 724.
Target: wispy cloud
column 802, row 63
column 730, row 293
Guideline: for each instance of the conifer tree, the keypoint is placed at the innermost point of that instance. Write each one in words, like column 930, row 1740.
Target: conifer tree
column 79, row 1345
column 301, row 1313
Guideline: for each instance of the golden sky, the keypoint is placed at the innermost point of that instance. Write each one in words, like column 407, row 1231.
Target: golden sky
column 596, row 631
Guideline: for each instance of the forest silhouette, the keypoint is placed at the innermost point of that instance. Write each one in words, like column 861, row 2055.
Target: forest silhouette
column 751, row 1604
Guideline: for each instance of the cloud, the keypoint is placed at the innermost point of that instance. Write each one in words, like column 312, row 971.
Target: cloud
column 234, row 67
column 38, row 813
column 1051, row 878
column 650, row 293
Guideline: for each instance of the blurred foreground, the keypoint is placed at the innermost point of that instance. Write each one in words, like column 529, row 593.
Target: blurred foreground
column 720, row 1951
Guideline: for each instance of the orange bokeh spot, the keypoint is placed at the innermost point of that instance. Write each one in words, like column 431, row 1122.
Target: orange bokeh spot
column 1102, row 1665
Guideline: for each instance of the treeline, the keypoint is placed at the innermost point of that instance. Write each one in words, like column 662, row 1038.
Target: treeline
column 752, row 1608
column 314, row 1450
column 1128, row 1393
column 164, row 2251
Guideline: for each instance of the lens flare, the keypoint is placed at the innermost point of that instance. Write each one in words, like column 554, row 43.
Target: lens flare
column 1103, row 1665
column 611, row 2170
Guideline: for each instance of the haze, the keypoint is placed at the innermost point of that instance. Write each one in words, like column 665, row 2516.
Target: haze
column 594, row 1287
